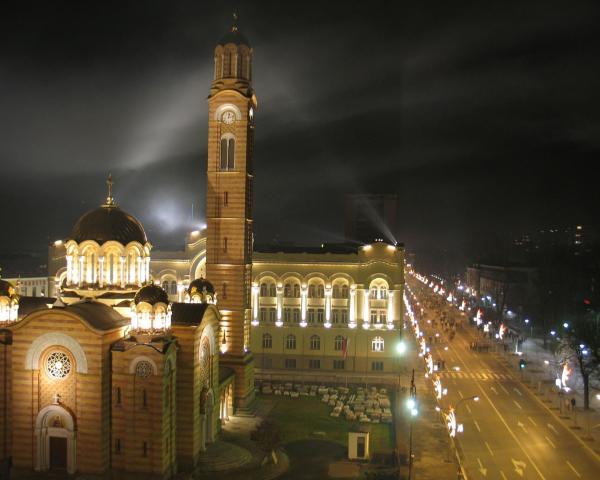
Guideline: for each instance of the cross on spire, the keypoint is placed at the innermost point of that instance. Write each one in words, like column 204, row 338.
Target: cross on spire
column 234, row 27
column 110, row 202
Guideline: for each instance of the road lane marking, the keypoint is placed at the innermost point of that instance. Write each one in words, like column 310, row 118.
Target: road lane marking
column 494, row 390
column 483, row 470
column 468, row 408
column 519, row 466
column 460, row 393
column 551, row 427
column 505, row 390
column 477, row 425
column 550, row 442
column 489, row 448
column 518, row 393
column 531, row 420
column 573, row 468
column 512, row 434
column 503, row 476
column 517, row 404
column 520, row 425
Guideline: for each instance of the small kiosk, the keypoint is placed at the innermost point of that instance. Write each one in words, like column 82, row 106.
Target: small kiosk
column 358, row 443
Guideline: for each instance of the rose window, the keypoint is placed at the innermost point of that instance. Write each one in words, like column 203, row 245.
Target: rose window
column 143, row 369
column 58, row 365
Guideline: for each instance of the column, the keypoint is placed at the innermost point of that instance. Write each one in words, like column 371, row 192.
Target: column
column 303, row 295
column 81, row 271
column 101, row 272
column 122, row 271
column 366, row 312
column 279, row 321
column 352, row 313
column 139, row 271
column 390, row 310
column 69, row 269
column 327, row 306
column 255, row 290
column 147, row 270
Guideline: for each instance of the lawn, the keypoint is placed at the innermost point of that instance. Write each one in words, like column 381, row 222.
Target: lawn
column 300, row 418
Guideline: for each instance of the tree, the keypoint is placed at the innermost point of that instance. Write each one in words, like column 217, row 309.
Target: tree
column 580, row 344
column 268, row 436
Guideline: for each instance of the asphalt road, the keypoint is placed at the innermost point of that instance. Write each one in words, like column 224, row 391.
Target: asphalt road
column 509, row 433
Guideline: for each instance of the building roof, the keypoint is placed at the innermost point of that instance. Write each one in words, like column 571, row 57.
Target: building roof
column 29, row 304
column 151, row 294
column 199, row 284
column 106, row 223
column 324, row 248
column 98, row 315
column 7, row 289
column 187, row 313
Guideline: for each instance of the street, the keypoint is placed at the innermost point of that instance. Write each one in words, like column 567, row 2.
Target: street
column 509, row 433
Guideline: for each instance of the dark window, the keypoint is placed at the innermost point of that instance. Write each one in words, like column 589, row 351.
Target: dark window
column 344, row 291
column 290, row 342
column 118, row 395
column 320, row 315
column 226, row 198
column 224, row 290
column 272, row 290
column 338, row 343
column 315, row 342
column 296, row 315
column 321, row 291
column 315, row 364
column 377, row 366
column 267, row 340
column 224, row 244
column 263, row 289
column 227, row 160
column 118, row 446
column 339, row 365
column 287, row 290
column 290, row 363
column 296, row 290
column 145, row 449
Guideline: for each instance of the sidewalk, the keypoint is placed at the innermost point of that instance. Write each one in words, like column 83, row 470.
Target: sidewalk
column 539, row 377
column 433, row 455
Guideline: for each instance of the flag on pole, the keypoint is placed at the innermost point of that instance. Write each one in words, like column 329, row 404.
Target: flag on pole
column 345, row 344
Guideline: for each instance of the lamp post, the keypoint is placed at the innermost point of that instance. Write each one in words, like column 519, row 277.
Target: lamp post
column 412, row 407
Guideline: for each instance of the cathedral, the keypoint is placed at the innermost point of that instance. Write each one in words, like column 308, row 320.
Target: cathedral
column 112, row 373
column 132, row 359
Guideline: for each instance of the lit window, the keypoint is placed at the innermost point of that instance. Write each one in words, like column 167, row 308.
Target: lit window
column 377, row 344
column 383, row 293
column 58, row 365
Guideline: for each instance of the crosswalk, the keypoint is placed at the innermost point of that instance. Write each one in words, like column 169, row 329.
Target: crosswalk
column 483, row 376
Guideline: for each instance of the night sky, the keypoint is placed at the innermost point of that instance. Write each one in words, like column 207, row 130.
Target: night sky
column 482, row 116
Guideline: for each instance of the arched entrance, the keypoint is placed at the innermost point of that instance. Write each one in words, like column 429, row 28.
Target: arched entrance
column 55, row 440
column 206, row 417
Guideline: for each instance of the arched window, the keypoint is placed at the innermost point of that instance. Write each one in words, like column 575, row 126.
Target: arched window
column 373, row 294
column 267, row 340
column 227, row 153
column 165, row 286
column 377, row 344
column 335, row 291
column 296, row 290
column 272, row 290
column 344, row 291
column 290, row 342
column 287, row 290
column 263, row 289
column 315, row 342
column 338, row 343
column 311, row 291
column 383, row 292
column 321, row 291
column 173, row 287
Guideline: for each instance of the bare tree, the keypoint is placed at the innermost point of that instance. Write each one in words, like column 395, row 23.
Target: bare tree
column 580, row 344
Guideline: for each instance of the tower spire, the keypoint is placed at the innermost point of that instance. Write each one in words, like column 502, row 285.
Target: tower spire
column 110, row 201
column 234, row 27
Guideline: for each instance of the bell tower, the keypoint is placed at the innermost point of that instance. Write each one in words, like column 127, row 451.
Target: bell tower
column 231, row 112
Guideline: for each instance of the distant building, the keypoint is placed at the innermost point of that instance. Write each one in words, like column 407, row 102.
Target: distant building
column 510, row 287
column 328, row 314
column 370, row 217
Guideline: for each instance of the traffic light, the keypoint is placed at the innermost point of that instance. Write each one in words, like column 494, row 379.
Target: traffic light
column 522, row 364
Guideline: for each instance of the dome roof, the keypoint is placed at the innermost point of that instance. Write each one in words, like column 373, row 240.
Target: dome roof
column 6, row 289
column 106, row 223
column 199, row 285
column 151, row 294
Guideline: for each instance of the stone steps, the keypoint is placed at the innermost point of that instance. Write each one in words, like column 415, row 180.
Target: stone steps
column 223, row 456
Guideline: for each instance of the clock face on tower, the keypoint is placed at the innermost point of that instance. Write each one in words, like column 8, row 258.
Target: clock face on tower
column 228, row 117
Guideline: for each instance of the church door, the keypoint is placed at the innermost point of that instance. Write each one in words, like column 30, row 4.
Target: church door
column 58, row 453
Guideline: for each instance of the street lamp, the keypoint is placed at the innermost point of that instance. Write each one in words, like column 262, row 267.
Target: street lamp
column 412, row 407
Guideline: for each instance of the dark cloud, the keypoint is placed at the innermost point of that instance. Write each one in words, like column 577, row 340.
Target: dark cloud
column 482, row 116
